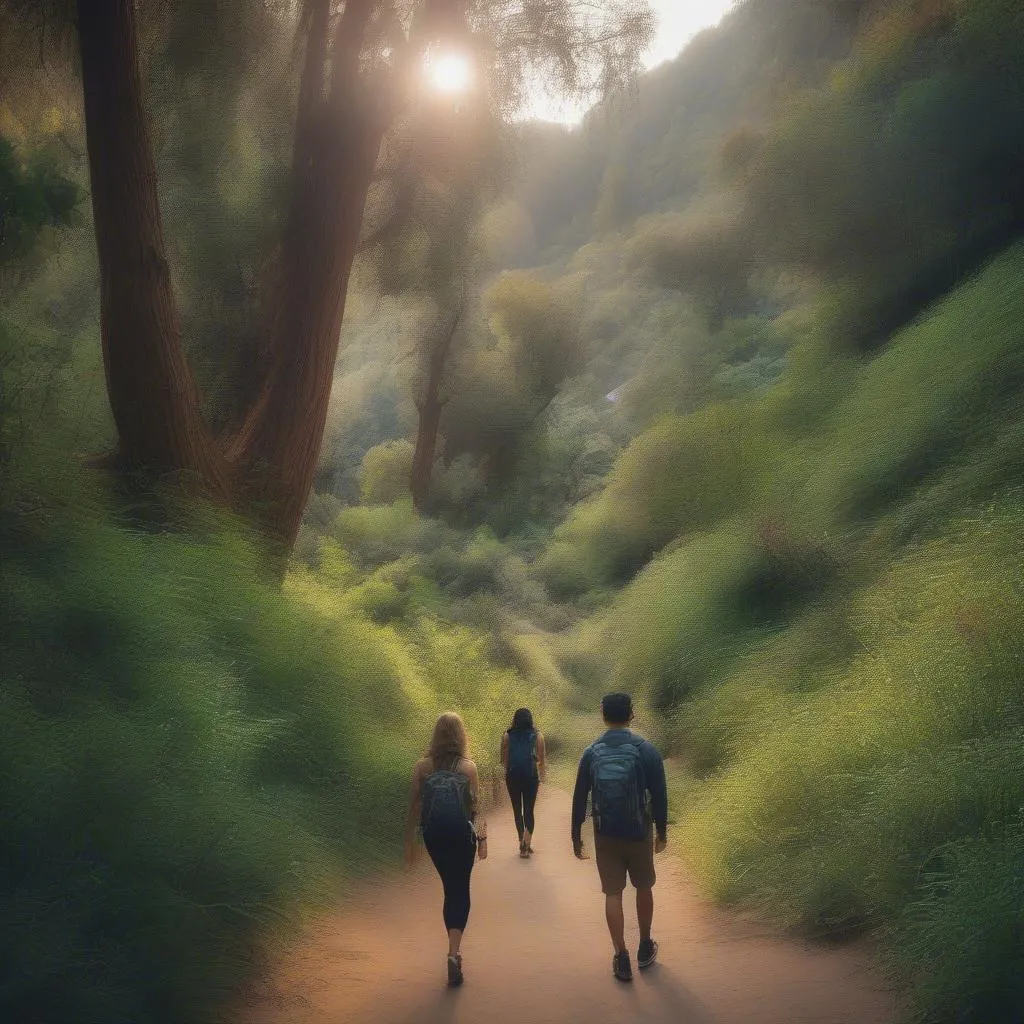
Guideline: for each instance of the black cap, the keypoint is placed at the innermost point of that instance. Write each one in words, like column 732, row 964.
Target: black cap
column 617, row 707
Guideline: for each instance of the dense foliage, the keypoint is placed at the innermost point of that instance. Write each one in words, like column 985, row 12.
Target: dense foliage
column 733, row 419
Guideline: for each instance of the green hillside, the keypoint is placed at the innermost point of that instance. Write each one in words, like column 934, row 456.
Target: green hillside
column 727, row 387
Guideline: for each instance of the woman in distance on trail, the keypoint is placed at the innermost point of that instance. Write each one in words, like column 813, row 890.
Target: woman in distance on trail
column 445, row 789
column 525, row 761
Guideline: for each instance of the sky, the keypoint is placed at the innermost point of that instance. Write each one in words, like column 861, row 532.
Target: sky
column 678, row 22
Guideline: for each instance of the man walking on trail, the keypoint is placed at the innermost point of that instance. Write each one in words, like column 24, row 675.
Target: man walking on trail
column 626, row 779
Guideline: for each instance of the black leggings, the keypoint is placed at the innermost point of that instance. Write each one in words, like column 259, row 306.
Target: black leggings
column 454, row 862
column 523, row 793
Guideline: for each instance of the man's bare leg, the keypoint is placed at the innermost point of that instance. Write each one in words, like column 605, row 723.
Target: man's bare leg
column 616, row 920
column 645, row 911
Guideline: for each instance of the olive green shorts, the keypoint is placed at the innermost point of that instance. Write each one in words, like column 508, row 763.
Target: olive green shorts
column 617, row 858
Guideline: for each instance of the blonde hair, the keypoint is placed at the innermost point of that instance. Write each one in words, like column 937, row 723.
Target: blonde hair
column 449, row 742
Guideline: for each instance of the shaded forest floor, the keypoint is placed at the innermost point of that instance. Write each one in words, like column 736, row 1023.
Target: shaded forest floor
column 537, row 951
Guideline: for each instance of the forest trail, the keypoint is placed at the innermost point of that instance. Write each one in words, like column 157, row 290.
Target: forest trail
column 537, row 952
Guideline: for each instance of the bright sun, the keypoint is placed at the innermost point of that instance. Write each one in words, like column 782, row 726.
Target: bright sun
column 449, row 72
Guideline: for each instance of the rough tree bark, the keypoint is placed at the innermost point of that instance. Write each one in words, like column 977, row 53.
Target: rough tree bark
column 153, row 396
column 430, row 407
column 266, row 469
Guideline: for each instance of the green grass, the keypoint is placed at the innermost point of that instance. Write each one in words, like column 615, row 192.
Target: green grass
column 834, row 805
column 680, row 476
column 191, row 758
column 188, row 757
column 833, row 651
column 945, row 385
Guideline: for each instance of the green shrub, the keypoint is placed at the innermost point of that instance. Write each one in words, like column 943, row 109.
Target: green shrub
column 681, row 475
column 842, row 779
column 187, row 756
column 384, row 474
column 375, row 534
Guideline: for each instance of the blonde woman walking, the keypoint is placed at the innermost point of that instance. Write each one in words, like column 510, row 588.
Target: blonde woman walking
column 444, row 800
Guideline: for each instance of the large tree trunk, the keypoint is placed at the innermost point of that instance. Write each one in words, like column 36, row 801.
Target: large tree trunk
column 153, row 395
column 430, row 407
column 339, row 130
column 267, row 468
column 426, row 450
column 276, row 449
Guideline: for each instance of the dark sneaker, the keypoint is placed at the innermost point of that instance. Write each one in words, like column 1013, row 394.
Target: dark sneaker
column 647, row 953
column 621, row 967
column 455, row 970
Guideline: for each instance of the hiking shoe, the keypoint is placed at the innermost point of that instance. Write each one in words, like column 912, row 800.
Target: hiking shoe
column 647, row 953
column 621, row 967
column 455, row 970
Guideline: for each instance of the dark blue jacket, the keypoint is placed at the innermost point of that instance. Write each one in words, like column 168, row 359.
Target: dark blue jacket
column 654, row 773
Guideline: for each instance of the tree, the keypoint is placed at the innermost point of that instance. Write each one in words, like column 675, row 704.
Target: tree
column 904, row 172
column 706, row 253
column 360, row 67
column 442, row 172
column 513, row 367
column 429, row 406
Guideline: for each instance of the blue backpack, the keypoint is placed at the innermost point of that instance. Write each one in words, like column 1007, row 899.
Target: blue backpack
column 446, row 805
column 522, row 754
column 619, row 790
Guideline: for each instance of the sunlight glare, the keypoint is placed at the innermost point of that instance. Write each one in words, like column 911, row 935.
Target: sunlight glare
column 449, row 72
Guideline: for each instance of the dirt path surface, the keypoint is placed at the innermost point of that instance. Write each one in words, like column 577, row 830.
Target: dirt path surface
column 537, row 952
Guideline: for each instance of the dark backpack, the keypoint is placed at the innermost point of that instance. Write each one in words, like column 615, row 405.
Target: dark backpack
column 445, row 805
column 619, row 790
column 522, row 754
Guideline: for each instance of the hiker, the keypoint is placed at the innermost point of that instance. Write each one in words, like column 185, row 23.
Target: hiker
column 525, row 761
column 621, row 770
column 445, row 787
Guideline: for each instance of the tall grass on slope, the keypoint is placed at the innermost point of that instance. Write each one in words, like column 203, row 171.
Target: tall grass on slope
column 834, row 445
column 838, row 806
column 188, row 757
column 944, row 385
column 680, row 476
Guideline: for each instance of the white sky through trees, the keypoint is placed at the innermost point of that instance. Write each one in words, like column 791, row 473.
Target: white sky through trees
column 678, row 22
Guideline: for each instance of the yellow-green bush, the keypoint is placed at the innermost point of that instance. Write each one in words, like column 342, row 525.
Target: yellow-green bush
column 835, row 651
column 681, row 475
column 832, row 803
column 187, row 756
column 942, row 386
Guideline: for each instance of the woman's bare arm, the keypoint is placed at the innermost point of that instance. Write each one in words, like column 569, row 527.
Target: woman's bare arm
column 504, row 751
column 542, row 757
column 415, row 792
column 469, row 769
column 471, row 772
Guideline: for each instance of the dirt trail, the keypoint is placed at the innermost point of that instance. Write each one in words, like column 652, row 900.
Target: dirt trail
column 537, row 952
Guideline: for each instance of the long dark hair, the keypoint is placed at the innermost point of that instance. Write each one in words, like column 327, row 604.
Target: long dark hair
column 522, row 721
